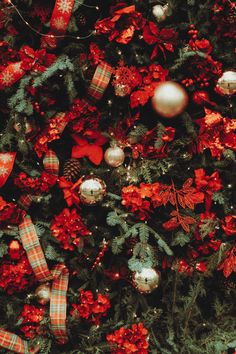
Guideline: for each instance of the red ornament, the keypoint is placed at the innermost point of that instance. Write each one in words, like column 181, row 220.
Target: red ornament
column 100, row 254
column 14, row 249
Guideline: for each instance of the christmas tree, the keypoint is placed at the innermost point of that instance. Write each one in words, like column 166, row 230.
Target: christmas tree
column 117, row 173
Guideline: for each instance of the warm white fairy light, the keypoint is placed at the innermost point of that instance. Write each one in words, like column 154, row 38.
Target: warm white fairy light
column 52, row 35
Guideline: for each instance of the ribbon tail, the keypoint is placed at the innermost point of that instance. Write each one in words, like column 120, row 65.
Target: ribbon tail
column 58, row 303
column 13, row 342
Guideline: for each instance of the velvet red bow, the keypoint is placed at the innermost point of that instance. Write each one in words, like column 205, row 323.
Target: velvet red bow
column 90, row 146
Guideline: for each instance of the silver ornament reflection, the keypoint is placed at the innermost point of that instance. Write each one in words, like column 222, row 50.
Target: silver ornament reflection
column 147, row 280
column 114, row 156
column 227, row 83
column 169, row 99
column 160, row 12
column 43, row 293
column 92, row 190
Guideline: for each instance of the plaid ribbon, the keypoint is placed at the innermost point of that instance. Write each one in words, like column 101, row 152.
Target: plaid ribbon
column 100, row 81
column 13, row 342
column 58, row 302
column 59, row 275
column 33, row 249
column 51, row 162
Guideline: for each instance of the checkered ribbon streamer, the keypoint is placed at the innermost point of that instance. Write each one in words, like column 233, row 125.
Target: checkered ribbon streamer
column 100, row 81
column 13, row 342
column 59, row 276
column 51, row 162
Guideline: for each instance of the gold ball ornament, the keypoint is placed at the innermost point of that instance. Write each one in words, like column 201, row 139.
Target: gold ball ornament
column 114, row 156
column 43, row 293
column 147, row 280
column 160, row 12
column 92, row 190
column 226, row 84
column 169, row 99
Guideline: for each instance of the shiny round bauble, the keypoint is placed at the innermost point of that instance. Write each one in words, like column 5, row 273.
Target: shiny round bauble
column 28, row 127
column 147, row 280
column 159, row 12
column 169, row 99
column 92, row 190
column 226, row 84
column 43, row 293
column 114, row 156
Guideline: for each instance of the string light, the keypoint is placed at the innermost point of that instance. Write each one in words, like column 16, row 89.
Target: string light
column 52, row 35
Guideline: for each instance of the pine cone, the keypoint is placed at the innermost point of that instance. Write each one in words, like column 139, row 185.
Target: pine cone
column 71, row 170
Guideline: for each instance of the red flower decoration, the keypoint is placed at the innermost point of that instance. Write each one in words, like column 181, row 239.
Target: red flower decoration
column 229, row 225
column 202, row 45
column 36, row 185
column 69, row 229
column 129, row 340
column 16, row 276
column 89, row 308
column 31, row 316
column 90, row 146
column 163, row 39
column 122, row 25
column 37, row 60
column 228, row 265
column 207, row 184
column 216, row 133
column 10, row 213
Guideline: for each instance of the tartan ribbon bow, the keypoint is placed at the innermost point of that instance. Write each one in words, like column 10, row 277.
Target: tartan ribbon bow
column 59, row 276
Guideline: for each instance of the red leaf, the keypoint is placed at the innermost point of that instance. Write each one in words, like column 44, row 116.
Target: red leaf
column 181, row 200
column 188, row 202
column 170, row 225
column 188, row 183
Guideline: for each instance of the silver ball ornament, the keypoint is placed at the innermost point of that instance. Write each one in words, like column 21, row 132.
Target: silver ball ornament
column 147, row 280
column 43, row 293
column 226, row 84
column 92, row 190
column 169, row 99
column 159, row 12
column 114, row 156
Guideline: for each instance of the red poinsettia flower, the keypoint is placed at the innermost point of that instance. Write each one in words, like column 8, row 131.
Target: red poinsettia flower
column 10, row 213
column 90, row 146
column 163, row 39
column 122, row 25
column 229, row 225
column 207, row 184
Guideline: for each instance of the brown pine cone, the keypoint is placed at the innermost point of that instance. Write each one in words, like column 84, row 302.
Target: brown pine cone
column 71, row 170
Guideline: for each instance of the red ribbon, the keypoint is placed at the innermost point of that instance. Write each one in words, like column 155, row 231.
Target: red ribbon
column 59, row 22
column 6, row 164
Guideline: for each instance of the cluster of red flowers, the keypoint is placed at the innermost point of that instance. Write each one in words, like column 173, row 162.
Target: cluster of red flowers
column 121, row 25
column 139, row 199
column 207, row 184
column 129, row 340
column 89, row 308
column 216, row 133
column 163, row 40
column 182, row 266
column 126, row 78
column 16, row 275
column 30, row 317
column 151, row 76
column 36, row 185
column 69, row 229
column 10, row 213
column 202, row 45
column 37, row 60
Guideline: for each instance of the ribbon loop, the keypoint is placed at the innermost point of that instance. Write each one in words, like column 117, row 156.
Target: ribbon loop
column 13, row 342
